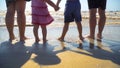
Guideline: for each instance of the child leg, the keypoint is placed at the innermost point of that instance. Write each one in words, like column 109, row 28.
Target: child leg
column 65, row 29
column 44, row 33
column 35, row 31
column 79, row 27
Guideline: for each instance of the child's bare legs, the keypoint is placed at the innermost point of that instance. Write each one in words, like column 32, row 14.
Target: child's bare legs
column 9, row 19
column 79, row 27
column 35, row 31
column 20, row 8
column 65, row 29
column 92, row 22
column 101, row 22
column 44, row 33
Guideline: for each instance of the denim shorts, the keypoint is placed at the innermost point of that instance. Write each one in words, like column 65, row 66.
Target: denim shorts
column 72, row 11
column 97, row 4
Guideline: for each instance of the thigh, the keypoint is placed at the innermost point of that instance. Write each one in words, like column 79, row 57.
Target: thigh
column 10, row 6
column 101, row 12
column 9, row 2
column 102, row 4
column 20, row 6
column 93, row 12
column 93, row 4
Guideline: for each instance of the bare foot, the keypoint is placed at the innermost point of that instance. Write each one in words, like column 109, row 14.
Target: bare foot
column 12, row 38
column 99, row 37
column 57, row 8
column 37, row 40
column 23, row 38
column 60, row 39
column 44, row 41
column 88, row 36
column 81, row 38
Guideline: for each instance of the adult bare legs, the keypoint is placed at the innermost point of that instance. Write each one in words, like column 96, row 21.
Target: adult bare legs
column 21, row 19
column 92, row 23
column 101, row 23
column 9, row 20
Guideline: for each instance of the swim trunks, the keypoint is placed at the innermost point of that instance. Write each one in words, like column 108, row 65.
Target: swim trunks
column 97, row 4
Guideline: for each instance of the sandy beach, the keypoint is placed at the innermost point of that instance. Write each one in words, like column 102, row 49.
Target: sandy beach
column 57, row 54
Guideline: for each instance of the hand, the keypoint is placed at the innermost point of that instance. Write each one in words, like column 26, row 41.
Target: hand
column 57, row 8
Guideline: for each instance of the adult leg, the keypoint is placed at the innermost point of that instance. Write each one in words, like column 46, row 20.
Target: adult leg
column 35, row 31
column 44, row 33
column 65, row 29
column 92, row 22
column 9, row 20
column 101, row 22
column 21, row 19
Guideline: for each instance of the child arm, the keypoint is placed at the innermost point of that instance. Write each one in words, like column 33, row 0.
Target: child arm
column 58, row 2
column 52, row 4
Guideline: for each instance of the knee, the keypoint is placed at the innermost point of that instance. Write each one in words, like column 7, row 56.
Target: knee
column 102, row 15
column 36, row 27
column 20, row 13
column 92, row 14
column 10, row 13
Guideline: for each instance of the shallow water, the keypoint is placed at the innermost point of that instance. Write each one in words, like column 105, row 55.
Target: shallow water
column 110, row 32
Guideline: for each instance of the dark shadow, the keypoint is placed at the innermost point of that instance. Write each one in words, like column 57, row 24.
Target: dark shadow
column 101, row 53
column 13, row 55
column 45, row 54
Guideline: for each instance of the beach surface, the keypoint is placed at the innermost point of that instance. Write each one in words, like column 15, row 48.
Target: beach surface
column 58, row 54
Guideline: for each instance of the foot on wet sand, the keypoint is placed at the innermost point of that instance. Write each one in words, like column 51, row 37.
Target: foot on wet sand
column 99, row 37
column 82, row 38
column 88, row 36
column 13, row 38
column 23, row 38
column 37, row 40
column 61, row 39
column 45, row 41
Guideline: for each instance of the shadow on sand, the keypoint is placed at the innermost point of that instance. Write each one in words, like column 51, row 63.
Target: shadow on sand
column 45, row 54
column 13, row 55
column 105, row 50
column 16, row 55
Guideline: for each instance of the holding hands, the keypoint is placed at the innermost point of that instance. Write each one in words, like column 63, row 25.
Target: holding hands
column 56, row 8
column 58, row 2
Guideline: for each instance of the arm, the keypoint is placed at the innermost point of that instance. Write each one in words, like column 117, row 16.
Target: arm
column 58, row 2
column 52, row 4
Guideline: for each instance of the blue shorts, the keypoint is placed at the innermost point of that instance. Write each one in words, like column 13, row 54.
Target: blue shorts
column 72, row 11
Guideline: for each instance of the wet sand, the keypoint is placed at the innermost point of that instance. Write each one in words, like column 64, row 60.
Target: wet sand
column 57, row 54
